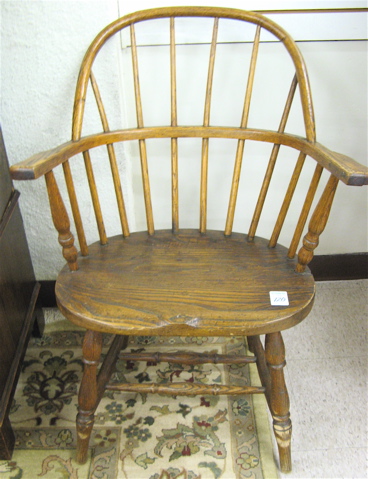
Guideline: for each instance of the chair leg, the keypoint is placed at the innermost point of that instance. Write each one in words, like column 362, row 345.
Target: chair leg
column 88, row 392
column 279, row 398
column 251, row 345
column 255, row 346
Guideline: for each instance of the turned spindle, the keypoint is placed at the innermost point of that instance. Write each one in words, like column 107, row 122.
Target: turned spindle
column 317, row 225
column 61, row 221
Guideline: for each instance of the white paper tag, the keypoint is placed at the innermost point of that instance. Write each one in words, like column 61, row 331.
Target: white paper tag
column 279, row 298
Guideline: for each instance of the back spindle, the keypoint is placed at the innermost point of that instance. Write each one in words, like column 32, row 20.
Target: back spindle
column 142, row 143
column 244, row 124
column 112, row 159
column 174, row 141
column 206, row 122
column 271, row 163
column 287, row 200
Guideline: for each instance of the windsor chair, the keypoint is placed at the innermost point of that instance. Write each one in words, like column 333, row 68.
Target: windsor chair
column 170, row 279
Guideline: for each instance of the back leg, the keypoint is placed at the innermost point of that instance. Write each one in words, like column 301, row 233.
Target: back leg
column 255, row 346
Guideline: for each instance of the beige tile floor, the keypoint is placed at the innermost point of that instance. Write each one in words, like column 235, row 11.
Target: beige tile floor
column 326, row 375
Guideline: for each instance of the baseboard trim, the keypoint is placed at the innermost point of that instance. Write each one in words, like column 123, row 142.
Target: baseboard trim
column 330, row 267
column 338, row 267
column 47, row 298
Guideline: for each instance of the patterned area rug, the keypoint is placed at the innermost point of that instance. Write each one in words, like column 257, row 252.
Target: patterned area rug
column 136, row 436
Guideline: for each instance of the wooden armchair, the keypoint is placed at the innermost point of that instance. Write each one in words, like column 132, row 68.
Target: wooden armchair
column 175, row 280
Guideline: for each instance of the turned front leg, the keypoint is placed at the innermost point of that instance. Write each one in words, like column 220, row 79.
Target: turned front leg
column 279, row 398
column 88, row 392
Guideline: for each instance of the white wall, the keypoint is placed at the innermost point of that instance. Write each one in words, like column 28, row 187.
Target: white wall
column 42, row 44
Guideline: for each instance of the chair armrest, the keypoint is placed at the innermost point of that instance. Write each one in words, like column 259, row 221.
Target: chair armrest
column 41, row 163
column 344, row 168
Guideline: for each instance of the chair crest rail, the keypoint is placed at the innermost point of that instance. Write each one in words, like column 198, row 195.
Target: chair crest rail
column 176, row 12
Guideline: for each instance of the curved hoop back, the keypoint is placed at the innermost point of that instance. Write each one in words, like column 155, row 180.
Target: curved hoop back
column 262, row 22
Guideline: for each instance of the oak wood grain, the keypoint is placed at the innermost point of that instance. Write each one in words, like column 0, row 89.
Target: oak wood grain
column 186, row 283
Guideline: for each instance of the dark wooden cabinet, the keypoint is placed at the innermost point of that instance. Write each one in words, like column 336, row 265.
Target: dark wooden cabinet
column 18, row 299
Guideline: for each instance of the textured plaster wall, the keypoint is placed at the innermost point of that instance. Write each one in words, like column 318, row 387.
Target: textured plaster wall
column 42, row 44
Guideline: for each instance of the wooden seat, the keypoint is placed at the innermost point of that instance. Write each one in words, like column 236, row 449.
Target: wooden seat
column 184, row 284
column 171, row 279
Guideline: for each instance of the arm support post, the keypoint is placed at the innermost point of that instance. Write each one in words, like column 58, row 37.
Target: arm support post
column 317, row 224
column 61, row 221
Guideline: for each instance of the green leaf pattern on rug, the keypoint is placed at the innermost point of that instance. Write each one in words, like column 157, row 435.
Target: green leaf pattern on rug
column 143, row 460
column 213, row 468
column 187, row 441
column 164, row 410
